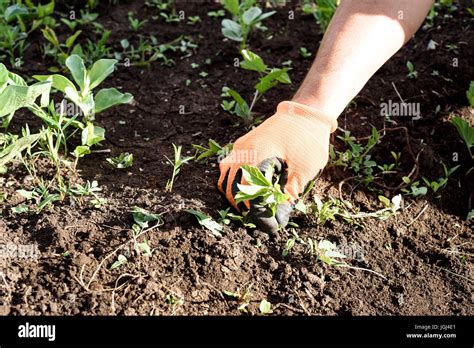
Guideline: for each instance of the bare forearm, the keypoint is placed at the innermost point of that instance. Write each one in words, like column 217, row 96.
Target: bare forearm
column 362, row 36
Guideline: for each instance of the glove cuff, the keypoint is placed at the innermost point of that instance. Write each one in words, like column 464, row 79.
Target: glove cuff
column 293, row 108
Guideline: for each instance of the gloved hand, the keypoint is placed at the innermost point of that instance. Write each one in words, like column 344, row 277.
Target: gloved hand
column 296, row 140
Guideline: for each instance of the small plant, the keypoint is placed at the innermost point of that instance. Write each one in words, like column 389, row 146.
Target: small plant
column 135, row 24
column 213, row 149
column 440, row 183
column 245, row 17
column 265, row 307
column 412, row 73
column 322, row 10
column 124, row 160
column 261, row 187
column 207, row 222
column 414, row 189
column 177, row 163
column 54, row 48
column 268, row 78
column 304, row 52
column 216, row 14
column 243, row 297
column 193, row 20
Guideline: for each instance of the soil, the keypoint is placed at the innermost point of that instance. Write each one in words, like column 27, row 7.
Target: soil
column 424, row 253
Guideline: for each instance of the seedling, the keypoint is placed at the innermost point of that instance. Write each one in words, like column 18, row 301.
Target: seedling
column 193, row 20
column 124, row 160
column 261, row 188
column 322, row 10
column 412, row 73
column 268, row 78
column 54, row 48
column 304, row 52
column 177, row 163
column 216, row 14
column 213, row 149
column 243, row 297
column 440, row 183
column 265, row 307
column 207, row 222
column 414, row 189
column 135, row 24
column 170, row 17
column 121, row 260
column 245, row 17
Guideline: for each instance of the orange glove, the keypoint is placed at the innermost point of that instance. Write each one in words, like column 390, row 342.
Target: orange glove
column 298, row 137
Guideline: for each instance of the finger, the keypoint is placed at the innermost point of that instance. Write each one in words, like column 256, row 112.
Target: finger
column 230, row 184
column 294, row 186
column 222, row 183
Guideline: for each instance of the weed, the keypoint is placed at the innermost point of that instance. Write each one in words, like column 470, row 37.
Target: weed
column 216, row 14
column 124, row 160
column 177, row 163
column 322, row 10
column 135, row 24
column 207, row 222
column 268, row 78
column 304, row 52
column 412, row 73
column 193, row 20
column 213, row 149
column 245, row 17
column 261, row 187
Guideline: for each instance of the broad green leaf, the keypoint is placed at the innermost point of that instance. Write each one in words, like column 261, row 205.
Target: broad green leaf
column 71, row 39
column 100, row 70
column 270, row 80
column 252, row 61
column 232, row 30
column 254, row 176
column 265, row 16
column 251, row 15
column 58, row 81
column 81, row 151
column 13, row 11
column 78, row 70
column 13, row 97
column 92, row 135
column 108, row 97
column 232, row 6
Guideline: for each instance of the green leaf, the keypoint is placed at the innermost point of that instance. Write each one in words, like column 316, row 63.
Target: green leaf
column 207, row 222
column 100, row 70
column 232, row 30
column 466, row 132
column 251, row 15
column 470, row 94
column 14, row 97
column 92, row 135
column 109, row 97
column 265, row 307
column 143, row 217
column 81, row 151
column 17, row 147
column 70, row 41
column 50, row 35
column 78, row 70
column 232, row 6
column 59, row 82
column 254, row 176
column 120, row 261
column 270, row 80
column 252, row 61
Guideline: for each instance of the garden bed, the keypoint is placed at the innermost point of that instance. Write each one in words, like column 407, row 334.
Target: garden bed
column 424, row 253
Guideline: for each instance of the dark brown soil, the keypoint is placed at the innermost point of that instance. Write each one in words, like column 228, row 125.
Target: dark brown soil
column 427, row 268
